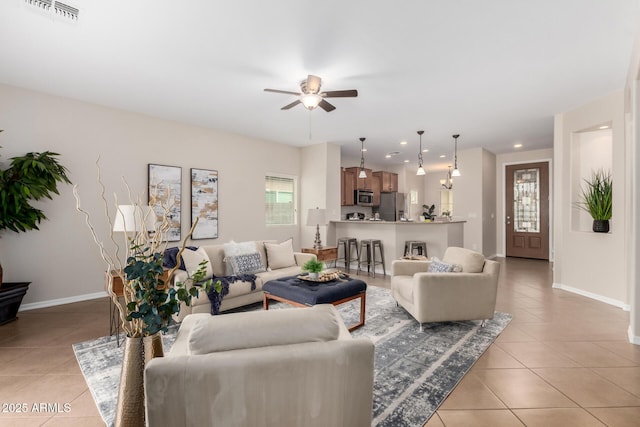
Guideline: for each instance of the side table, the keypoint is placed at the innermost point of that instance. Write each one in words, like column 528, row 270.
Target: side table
column 328, row 253
column 118, row 289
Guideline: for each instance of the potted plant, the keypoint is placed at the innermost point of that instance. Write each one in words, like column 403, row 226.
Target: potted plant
column 149, row 302
column 596, row 197
column 314, row 267
column 428, row 212
column 28, row 178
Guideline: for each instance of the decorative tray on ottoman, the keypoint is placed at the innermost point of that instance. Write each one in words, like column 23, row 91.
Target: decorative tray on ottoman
column 327, row 276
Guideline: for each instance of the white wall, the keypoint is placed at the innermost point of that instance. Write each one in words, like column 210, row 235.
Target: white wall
column 632, row 155
column 502, row 160
column 61, row 259
column 488, row 203
column 468, row 196
column 431, row 190
column 321, row 184
column 585, row 262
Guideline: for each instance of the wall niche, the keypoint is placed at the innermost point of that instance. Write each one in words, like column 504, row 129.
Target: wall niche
column 591, row 150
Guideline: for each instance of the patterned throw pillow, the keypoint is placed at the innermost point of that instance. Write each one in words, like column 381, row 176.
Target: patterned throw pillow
column 233, row 249
column 438, row 266
column 246, row 264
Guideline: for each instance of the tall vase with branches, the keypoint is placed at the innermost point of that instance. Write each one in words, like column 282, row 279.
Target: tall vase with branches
column 149, row 303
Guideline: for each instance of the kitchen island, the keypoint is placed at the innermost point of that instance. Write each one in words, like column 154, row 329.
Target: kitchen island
column 437, row 234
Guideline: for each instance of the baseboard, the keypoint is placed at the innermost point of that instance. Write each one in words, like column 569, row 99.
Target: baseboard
column 633, row 339
column 601, row 298
column 494, row 256
column 61, row 301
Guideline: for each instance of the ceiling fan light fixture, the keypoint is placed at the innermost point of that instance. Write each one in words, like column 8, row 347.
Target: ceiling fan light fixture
column 311, row 100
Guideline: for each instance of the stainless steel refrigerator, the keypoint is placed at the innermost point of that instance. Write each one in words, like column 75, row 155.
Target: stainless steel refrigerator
column 392, row 206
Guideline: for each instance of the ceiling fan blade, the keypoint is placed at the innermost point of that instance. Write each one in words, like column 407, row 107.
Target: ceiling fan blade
column 283, row 91
column 340, row 93
column 326, row 106
column 313, row 84
column 293, row 104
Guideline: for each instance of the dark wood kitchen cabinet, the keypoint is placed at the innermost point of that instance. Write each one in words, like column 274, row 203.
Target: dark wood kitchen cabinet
column 388, row 181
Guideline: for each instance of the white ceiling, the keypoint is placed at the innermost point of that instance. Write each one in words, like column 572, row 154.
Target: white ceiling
column 494, row 71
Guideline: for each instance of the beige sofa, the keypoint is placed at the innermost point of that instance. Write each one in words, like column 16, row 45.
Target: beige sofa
column 290, row 367
column 240, row 293
column 436, row 297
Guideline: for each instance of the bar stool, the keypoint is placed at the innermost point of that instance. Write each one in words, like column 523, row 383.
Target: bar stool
column 411, row 245
column 347, row 244
column 367, row 248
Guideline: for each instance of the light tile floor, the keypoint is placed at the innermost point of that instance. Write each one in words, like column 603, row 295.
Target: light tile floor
column 563, row 361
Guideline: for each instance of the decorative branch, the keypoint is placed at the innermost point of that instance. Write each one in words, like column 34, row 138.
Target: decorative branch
column 148, row 302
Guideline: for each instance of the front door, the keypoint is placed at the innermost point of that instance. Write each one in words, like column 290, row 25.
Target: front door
column 527, row 210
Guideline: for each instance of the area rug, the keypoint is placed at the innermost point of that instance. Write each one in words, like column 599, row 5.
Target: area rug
column 414, row 371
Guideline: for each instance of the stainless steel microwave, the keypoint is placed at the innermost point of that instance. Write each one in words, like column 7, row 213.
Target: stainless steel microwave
column 363, row 197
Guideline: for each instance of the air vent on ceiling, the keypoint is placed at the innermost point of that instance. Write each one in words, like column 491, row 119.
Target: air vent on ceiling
column 59, row 9
column 66, row 11
column 42, row 4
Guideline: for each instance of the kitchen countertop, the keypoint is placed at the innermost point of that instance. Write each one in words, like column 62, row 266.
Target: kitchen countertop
column 396, row 222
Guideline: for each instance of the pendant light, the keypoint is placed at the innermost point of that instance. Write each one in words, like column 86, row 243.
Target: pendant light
column 447, row 183
column 420, row 168
column 362, row 173
column 456, row 171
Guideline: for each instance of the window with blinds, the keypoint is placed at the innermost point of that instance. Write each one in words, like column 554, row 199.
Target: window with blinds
column 279, row 198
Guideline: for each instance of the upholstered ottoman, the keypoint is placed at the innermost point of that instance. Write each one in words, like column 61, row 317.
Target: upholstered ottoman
column 303, row 293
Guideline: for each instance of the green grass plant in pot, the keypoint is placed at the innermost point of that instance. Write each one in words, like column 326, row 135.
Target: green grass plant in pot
column 596, row 197
column 314, row 267
column 29, row 178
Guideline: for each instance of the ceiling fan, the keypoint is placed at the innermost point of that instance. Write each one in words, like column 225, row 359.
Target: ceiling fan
column 311, row 97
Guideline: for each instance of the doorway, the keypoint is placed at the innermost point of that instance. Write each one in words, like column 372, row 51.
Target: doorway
column 527, row 210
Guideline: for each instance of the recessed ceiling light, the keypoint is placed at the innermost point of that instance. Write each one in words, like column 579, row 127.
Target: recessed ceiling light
column 517, row 145
column 426, row 150
column 442, row 156
column 388, row 156
column 604, row 127
column 403, row 142
column 364, row 149
column 406, row 161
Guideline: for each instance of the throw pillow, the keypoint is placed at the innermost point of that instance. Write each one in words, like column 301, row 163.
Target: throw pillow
column 233, row 249
column 256, row 329
column 437, row 266
column 280, row 255
column 169, row 257
column 471, row 262
column 246, row 264
column 192, row 260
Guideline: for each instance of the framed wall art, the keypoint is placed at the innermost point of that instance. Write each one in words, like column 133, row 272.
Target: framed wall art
column 204, row 203
column 165, row 196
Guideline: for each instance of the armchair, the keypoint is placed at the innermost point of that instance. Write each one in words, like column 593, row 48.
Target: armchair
column 289, row 367
column 436, row 297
